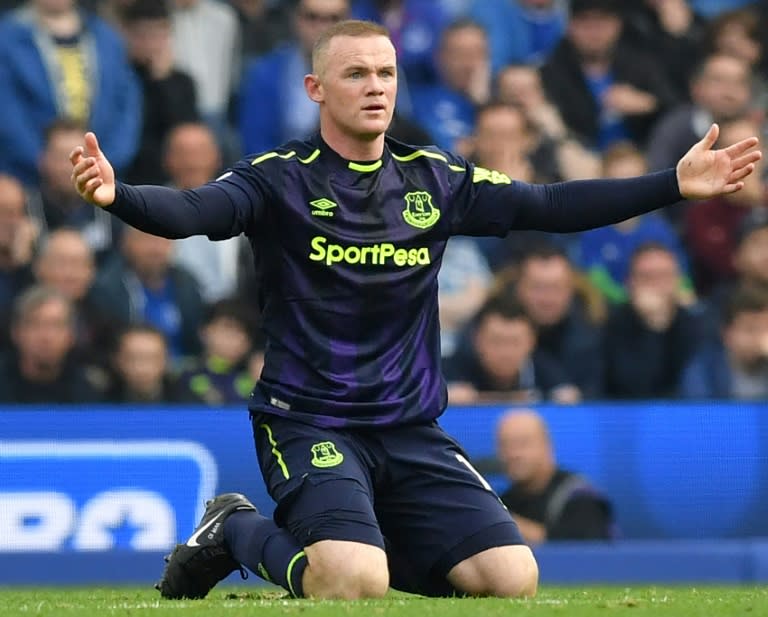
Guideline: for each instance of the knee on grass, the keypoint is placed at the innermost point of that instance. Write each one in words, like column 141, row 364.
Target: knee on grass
column 345, row 570
column 504, row 572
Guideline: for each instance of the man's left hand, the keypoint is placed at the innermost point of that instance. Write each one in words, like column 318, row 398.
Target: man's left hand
column 704, row 173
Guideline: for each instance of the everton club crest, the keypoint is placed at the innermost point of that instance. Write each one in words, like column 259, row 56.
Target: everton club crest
column 419, row 211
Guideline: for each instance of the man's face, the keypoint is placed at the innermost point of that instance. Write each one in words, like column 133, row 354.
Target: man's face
column 45, row 335
column 752, row 256
column 545, row 289
column 192, row 157
column 66, row 265
column 463, row 52
column 655, row 273
column 520, row 85
column 502, row 346
column 55, row 168
column 12, row 202
column 500, row 133
column 358, row 86
column 522, row 449
column 594, row 33
column 141, row 361
column 723, row 88
column 147, row 38
column 149, row 256
column 746, row 338
column 313, row 17
column 226, row 338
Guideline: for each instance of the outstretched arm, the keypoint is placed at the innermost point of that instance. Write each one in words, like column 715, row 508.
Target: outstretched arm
column 219, row 209
column 585, row 204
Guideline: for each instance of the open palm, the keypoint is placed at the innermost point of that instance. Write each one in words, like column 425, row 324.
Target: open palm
column 704, row 173
column 92, row 173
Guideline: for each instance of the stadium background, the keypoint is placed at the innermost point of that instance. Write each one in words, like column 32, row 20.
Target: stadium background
column 96, row 493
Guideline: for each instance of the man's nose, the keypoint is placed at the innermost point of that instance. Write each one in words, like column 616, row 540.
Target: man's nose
column 375, row 85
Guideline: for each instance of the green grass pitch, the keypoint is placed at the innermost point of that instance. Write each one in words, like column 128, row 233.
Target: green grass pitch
column 237, row 602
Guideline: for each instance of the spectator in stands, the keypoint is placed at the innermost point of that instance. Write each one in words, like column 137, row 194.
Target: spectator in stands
column 65, row 263
column 752, row 254
column 555, row 153
column 144, row 287
column 740, row 34
column 721, row 91
column 547, row 502
column 520, row 31
column 500, row 361
column 463, row 283
column 140, row 367
column 206, row 45
column 650, row 339
column 605, row 90
column 502, row 140
column 263, row 25
column 736, row 365
column 750, row 261
column 446, row 109
column 40, row 369
column 170, row 96
column 604, row 254
column 415, row 27
column 18, row 236
column 547, row 289
column 712, row 227
column 273, row 105
column 57, row 204
column 192, row 158
column 505, row 141
column 222, row 375
column 672, row 33
column 56, row 60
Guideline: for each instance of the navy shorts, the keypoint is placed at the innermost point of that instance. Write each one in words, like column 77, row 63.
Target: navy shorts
column 409, row 490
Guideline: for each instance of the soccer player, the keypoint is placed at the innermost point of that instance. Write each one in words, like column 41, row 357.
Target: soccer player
column 348, row 229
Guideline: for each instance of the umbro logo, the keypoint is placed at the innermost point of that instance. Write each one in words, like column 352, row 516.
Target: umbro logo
column 322, row 207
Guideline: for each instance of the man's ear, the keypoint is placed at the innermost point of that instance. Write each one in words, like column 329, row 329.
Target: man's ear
column 314, row 88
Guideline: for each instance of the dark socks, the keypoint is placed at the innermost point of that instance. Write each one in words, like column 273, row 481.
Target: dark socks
column 270, row 552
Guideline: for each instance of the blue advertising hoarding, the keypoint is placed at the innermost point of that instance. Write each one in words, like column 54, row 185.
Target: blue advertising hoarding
column 85, row 487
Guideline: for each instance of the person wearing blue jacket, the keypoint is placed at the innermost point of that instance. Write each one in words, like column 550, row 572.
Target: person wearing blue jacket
column 273, row 105
column 735, row 365
column 520, row 31
column 59, row 61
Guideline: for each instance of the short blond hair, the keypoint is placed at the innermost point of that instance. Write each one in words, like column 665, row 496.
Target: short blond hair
column 349, row 27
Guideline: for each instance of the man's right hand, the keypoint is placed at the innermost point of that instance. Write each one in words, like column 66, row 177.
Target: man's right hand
column 92, row 174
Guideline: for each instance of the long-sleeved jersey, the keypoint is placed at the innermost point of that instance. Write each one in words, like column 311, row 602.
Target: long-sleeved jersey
column 349, row 254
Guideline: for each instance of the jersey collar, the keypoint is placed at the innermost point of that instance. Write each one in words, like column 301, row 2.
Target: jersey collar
column 338, row 163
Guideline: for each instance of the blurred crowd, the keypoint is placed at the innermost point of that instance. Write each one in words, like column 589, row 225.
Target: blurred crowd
column 673, row 304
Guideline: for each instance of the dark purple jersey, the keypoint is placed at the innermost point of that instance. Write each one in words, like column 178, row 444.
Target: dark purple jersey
column 349, row 254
